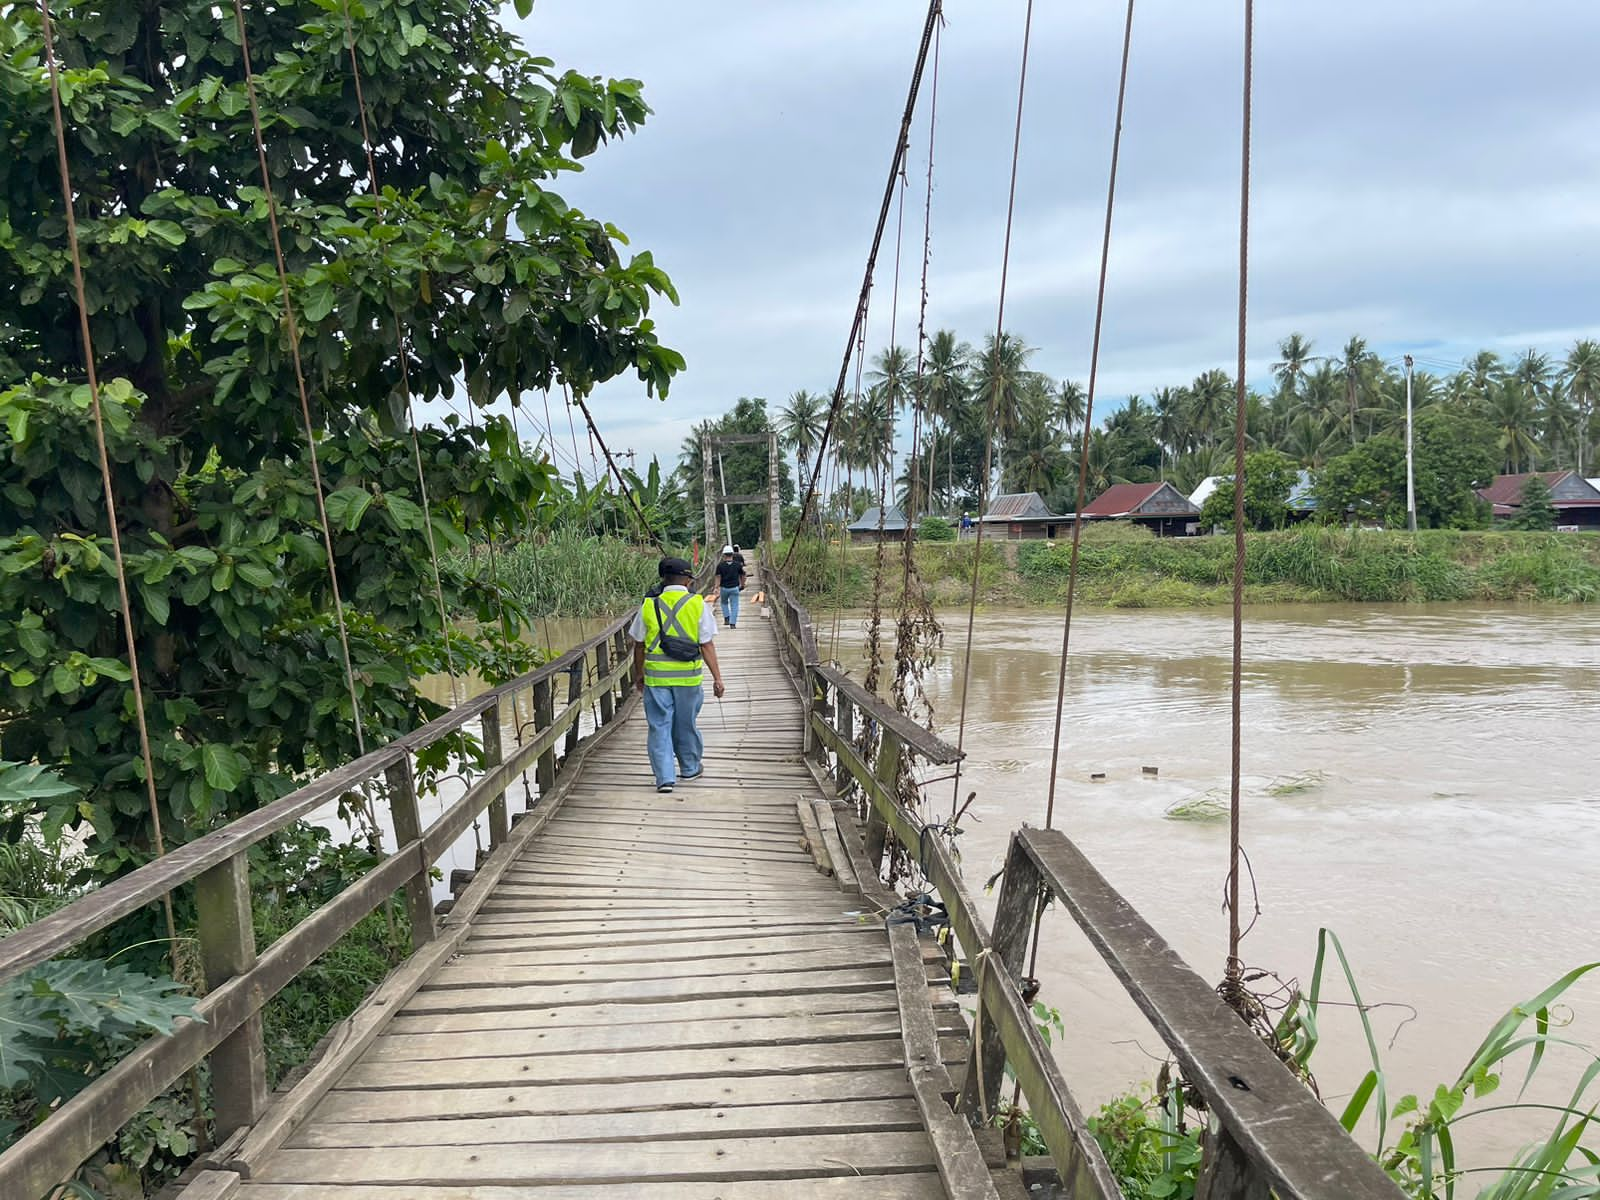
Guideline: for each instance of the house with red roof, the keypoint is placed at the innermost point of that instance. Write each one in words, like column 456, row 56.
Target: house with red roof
column 1159, row 507
column 1575, row 499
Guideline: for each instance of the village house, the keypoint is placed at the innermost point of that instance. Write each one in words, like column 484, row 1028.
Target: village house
column 1302, row 501
column 1023, row 516
column 1575, row 499
column 1159, row 507
column 865, row 528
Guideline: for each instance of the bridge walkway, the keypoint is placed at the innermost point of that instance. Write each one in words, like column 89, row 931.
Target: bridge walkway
column 661, row 998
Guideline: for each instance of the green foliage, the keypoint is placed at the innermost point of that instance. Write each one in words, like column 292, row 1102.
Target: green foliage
column 1453, row 455
column 568, row 573
column 743, row 468
column 1148, row 1145
column 1269, row 477
column 1423, row 1159
column 936, row 529
column 487, row 274
column 1536, row 513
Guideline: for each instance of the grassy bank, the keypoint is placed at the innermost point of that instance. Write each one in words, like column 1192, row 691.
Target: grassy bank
column 1126, row 567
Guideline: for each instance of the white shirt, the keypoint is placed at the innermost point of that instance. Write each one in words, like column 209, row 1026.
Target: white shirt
column 708, row 619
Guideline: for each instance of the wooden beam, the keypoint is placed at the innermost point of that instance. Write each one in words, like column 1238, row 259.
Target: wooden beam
column 227, row 938
column 1278, row 1124
column 493, row 756
column 922, row 742
column 407, row 821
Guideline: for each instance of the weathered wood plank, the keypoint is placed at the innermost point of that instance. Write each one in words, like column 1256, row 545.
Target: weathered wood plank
column 838, row 1154
column 866, row 941
column 766, row 1120
column 912, row 1186
column 685, row 1035
column 843, row 869
column 493, row 970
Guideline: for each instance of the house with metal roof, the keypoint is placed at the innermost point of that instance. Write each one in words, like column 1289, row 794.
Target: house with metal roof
column 895, row 527
column 1575, row 499
column 1020, row 516
column 1160, row 507
column 1302, row 500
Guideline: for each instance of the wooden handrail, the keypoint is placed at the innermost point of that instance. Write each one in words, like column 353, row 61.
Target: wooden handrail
column 109, row 903
column 1273, row 1135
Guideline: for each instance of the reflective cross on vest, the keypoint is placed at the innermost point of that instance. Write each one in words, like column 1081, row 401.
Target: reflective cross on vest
column 681, row 614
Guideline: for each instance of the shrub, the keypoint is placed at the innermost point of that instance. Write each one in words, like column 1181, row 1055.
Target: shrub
column 936, row 529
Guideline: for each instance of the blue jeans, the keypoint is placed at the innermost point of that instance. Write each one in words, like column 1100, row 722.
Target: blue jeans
column 670, row 712
column 730, row 604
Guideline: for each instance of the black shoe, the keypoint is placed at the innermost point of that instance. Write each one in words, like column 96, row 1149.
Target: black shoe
column 663, row 787
column 692, row 778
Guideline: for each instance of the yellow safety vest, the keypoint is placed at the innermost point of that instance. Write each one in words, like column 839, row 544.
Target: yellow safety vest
column 682, row 610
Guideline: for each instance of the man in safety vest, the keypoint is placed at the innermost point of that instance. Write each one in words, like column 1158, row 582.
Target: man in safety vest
column 673, row 634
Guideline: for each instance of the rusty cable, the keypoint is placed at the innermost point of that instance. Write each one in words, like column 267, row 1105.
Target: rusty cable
column 994, row 401
column 895, row 169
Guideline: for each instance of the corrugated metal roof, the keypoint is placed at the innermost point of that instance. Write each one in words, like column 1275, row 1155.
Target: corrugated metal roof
column 1131, row 499
column 1507, row 489
column 1019, row 506
column 894, row 520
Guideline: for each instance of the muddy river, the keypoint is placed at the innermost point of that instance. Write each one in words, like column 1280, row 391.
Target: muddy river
column 1421, row 780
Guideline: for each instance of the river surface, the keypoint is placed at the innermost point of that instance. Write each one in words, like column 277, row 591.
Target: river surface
column 1422, row 780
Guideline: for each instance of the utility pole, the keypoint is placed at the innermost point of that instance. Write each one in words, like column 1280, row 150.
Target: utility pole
column 708, row 492
column 1411, row 476
column 722, row 478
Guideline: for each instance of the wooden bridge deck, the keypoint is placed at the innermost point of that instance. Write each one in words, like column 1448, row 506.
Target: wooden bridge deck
column 661, row 998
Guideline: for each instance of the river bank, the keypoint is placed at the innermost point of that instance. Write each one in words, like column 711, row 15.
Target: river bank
column 1125, row 567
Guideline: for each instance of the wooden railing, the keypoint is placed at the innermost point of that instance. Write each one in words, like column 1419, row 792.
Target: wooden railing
column 227, row 1027
column 1269, row 1135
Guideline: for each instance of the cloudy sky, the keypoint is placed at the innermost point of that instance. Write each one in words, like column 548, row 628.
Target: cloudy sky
column 1426, row 174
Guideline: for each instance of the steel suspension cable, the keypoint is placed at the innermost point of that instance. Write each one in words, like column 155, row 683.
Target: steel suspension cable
column 594, row 430
column 405, row 367
column 1235, row 967
column 994, row 400
column 292, row 329
column 93, row 376
column 1083, row 452
column 856, row 328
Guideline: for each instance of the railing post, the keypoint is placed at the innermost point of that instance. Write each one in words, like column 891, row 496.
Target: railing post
column 544, row 715
column 608, row 697
column 1226, row 1174
column 228, row 948
column 1013, row 918
column 845, row 727
column 407, row 829
column 818, row 690
column 574, row 694
column 494, row 755
column 625, row 659
column 886, row 772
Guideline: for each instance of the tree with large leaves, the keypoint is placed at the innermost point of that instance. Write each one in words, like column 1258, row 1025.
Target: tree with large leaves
column 468, row 270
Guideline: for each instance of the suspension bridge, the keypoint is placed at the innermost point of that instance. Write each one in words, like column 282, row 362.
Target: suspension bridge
column 711, row 993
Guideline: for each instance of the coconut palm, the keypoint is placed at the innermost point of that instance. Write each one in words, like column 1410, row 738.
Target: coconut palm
column 1172, row 422
column 1359, row 366
column 1583, row 387
column 800, row 425
column 1211, row 398
column 1036, row 455
column 1072, row 402
column 1294, row 353
column 893, row 373
column 1515, row 417
column 868, row 424
column 1001, row 381
column 1483, row 370
column 945, row 393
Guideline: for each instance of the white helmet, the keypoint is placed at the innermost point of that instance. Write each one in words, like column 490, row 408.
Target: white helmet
column 727, row 549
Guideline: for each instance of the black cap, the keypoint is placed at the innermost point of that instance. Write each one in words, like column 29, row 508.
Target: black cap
column 674, row 566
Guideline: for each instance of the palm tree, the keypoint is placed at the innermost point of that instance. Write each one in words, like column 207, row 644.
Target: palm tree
column 800, row 425
column 1001, row 381
column 1211, row 398
column 1072, row 402
column 1036, row 454
column 1483, row 371
column 1583, row 387
column 1294, row 353
column 868, row 422
column 1172, row 422
column 945, row 392
column 1515, row 417
column 1358, row 366
column 893, row 373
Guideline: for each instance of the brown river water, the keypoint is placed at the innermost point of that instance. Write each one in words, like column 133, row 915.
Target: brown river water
column 1442, row 814
column 1422, row 780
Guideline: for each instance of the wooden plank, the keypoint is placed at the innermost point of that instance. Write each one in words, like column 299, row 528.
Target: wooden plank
column 919, row 1033
column 407, row 820
column 211, row 1185
column 228, row 949
column 358, row 1105
column 811, row 833
column 668, row 925
column 843, row 870
column 912, row 1186
column 436, row 997
column 494, row 970
column 765, row 1120
column 1227, row 1172
column 837, row 1154
column 347, row 1041
column 686, row 1035
column 867, row 941
column 924, row 743
column 1278, row 1124
column 547, row 1070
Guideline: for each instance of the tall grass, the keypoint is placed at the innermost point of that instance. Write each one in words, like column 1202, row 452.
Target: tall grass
column 569, row 573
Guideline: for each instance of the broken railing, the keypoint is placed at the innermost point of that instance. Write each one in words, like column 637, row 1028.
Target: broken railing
column 1268, row 1135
